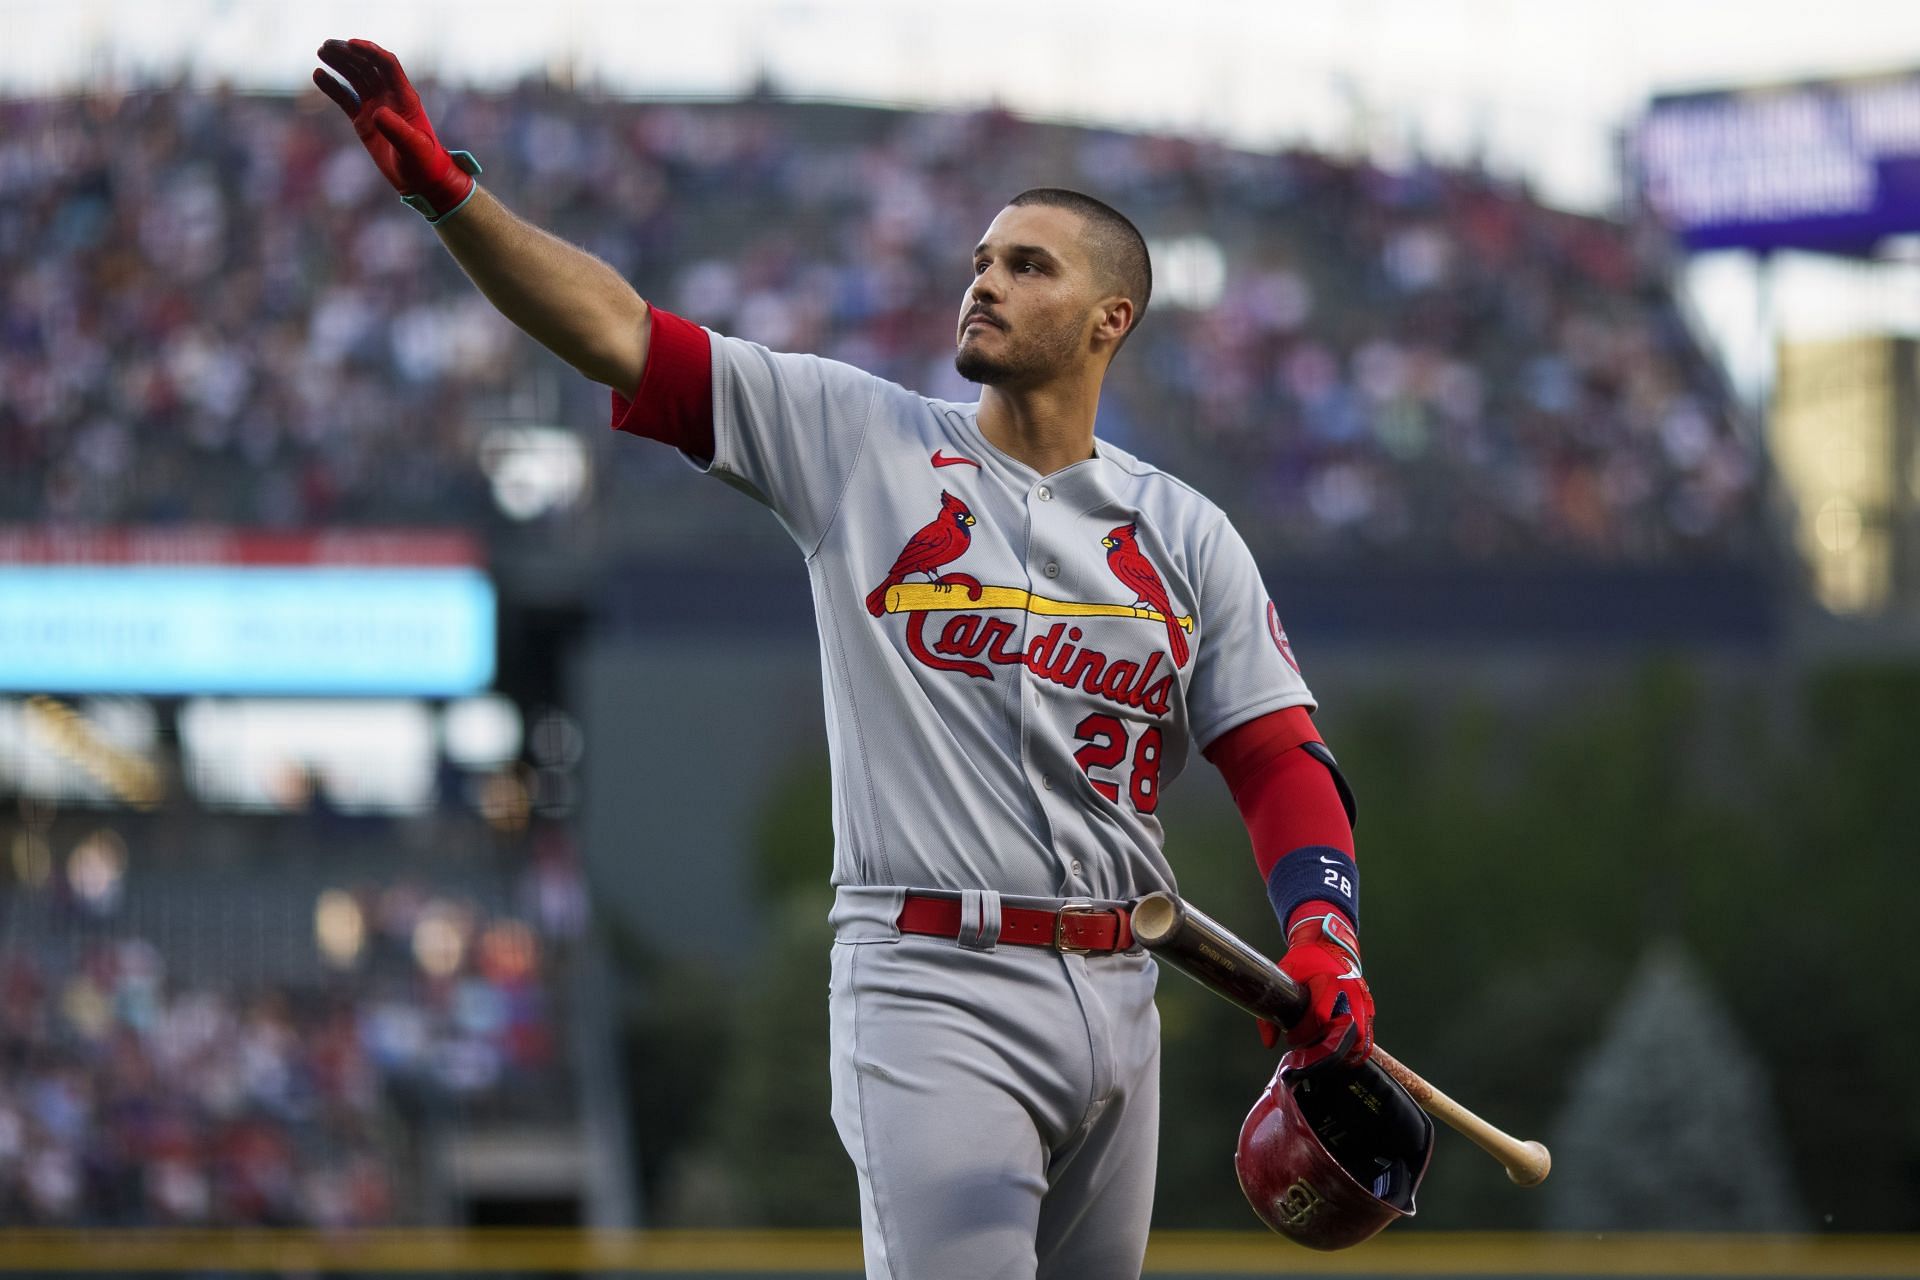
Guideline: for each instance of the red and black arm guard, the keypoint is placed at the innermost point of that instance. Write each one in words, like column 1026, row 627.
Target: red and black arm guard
column 1299, row 814
column 674, row 401
column 1298, row 810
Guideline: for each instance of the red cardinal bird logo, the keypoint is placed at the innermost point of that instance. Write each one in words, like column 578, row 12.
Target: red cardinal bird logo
column 942, row 541
column 1136, row 573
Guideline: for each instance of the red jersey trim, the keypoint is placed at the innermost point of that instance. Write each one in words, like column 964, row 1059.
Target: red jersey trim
column 674, row 401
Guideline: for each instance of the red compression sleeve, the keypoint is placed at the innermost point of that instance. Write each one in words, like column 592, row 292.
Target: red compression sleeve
column 1286, row 797
column 674, row 401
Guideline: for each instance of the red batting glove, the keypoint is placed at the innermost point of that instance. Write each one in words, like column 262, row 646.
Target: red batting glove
column 1323, row 956
column 394, row 128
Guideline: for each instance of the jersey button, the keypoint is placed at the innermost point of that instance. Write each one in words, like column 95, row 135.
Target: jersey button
column 1052, row 570
column 1076, row 866
column 1044, row 494
column 1047, row 783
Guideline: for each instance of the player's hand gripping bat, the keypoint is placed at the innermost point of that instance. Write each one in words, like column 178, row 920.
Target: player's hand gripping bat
column 1205, row 950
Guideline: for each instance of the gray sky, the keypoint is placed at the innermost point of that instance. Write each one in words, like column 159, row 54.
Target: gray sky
column 1538, row 87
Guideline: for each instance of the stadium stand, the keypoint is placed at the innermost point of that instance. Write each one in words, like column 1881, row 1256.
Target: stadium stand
column 193, row 1039
column 210, row 309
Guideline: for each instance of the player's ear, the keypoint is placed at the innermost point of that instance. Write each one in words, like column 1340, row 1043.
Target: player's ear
column 1116, row 318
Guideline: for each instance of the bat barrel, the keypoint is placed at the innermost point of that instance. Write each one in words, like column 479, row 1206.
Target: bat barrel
column 1193, row 942
column 1156, row 917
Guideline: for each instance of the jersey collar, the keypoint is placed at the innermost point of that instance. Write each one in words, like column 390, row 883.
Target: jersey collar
column 967, row 416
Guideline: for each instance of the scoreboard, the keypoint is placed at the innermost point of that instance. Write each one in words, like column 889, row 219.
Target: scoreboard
column 1827, row 165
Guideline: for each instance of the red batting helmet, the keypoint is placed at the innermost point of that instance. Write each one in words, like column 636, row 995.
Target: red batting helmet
column 1329, row 1157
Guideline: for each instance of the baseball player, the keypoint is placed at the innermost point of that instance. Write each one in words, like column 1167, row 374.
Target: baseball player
column 1024, row 633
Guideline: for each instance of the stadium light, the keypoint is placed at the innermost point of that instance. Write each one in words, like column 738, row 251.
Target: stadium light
column 533, row 470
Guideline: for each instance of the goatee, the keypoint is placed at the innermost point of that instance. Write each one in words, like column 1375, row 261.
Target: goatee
column 976, row 365
column 1043, row 354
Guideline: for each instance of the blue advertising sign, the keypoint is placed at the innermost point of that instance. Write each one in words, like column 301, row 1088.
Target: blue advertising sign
column 245, row 629
column 1831, row 166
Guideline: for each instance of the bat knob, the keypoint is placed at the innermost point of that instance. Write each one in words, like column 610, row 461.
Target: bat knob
column 1531, row 1171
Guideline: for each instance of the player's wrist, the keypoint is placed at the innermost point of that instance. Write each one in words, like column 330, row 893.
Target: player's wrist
column 1321, row 924
column 1311, row 915
column 446, row 191
column 1315, row 874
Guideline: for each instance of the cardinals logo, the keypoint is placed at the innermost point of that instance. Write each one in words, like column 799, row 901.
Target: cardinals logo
column 967, row 635
column 1137, row 574
column 1279, row 634
column 939, row 543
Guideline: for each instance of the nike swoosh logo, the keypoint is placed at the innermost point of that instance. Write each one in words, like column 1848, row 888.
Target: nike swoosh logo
column 941, row 459
column 1332, row 862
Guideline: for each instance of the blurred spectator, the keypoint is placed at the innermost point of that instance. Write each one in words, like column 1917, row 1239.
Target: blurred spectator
column 129, row 1099
column 212, row 309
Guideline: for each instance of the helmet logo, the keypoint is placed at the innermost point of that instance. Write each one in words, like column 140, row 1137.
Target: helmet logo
column 1297, row 1204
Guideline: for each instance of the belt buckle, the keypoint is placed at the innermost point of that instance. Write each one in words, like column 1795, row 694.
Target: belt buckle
column 1060, row 942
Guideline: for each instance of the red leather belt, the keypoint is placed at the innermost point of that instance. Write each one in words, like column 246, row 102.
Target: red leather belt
column 1076, row 930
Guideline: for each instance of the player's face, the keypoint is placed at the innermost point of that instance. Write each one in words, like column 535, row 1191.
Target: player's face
column 1029, row 312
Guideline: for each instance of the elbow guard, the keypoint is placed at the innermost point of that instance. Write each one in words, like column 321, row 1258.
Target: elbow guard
column 1318, row 750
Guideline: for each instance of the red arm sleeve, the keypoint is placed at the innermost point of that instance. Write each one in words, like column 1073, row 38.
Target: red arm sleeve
column 1287, row 798
column 674, row 401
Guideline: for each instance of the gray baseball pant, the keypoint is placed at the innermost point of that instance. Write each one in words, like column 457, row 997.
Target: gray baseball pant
column 1000, row 1103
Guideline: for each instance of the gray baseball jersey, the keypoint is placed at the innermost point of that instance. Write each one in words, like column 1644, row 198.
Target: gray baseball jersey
column 1016, row 666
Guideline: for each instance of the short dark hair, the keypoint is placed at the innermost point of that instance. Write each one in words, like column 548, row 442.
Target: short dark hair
column 1119, row 250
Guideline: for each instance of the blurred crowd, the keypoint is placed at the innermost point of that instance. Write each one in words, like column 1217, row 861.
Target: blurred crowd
column 213, row 308
column 130, row 1096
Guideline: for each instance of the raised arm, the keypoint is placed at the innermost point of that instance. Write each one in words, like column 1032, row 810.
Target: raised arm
column 569, row 301
column 566, row 299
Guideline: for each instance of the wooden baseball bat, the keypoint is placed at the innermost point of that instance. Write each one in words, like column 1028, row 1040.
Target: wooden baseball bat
column 1214, row 956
